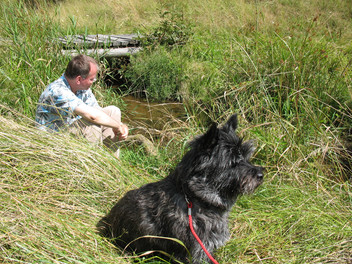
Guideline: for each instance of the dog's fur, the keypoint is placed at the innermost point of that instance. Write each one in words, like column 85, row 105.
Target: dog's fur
column 212, row 174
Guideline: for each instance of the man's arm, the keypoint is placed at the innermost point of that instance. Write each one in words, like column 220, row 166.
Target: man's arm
column 98, row 117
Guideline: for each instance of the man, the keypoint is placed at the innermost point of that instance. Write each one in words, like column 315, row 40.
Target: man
column 69, row 104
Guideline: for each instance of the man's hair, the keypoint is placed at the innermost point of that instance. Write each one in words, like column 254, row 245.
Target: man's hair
column 79, row 66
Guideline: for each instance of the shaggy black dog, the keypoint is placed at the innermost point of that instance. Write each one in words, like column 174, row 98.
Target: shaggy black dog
column 211, row 175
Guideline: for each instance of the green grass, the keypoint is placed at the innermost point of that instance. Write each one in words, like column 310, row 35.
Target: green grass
column 301, row 220
column 55, row 189
column 284, row 66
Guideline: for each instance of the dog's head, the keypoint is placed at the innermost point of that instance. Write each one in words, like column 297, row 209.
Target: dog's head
column 217, row 168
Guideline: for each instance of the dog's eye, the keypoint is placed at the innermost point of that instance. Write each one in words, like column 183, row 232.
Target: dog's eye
column 236, row 161
column 239, row 158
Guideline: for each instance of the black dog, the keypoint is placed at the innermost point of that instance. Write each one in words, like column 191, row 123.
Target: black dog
column 212, row 174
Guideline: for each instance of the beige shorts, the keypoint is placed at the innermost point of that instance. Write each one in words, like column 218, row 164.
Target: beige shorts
column 99, row 134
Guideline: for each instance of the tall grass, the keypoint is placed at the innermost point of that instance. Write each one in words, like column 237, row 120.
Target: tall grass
column 31, row 58
column 284, row 66
column 55, row 188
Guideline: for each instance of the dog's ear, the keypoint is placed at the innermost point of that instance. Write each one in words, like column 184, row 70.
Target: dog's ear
column 231, row 124
column 210, row 137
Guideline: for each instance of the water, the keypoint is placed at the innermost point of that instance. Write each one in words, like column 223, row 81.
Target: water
column 141, row 114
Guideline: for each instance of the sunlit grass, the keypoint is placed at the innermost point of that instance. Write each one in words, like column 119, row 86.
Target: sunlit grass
column 121, row 17
column 109, row 17
column 283, row 66
column 55, row 188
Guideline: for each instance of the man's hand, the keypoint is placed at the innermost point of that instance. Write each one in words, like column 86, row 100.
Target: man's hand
column 122, row 131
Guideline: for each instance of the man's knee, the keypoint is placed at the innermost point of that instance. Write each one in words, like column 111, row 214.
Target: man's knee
column 113, row 111
column 92, row 132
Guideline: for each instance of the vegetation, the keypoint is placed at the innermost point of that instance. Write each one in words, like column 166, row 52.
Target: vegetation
column 284, row 66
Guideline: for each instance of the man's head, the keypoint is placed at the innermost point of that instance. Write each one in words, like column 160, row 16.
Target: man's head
column 81, row 72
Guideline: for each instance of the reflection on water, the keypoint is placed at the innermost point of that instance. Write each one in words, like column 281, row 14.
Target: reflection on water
column 141, row 113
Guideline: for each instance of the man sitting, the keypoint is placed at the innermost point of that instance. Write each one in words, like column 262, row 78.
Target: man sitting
column 69, row 104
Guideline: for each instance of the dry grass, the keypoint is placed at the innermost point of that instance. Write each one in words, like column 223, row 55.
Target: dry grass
column 115, row 17
column 121, row 17
column 53, row 191
column 53, row 188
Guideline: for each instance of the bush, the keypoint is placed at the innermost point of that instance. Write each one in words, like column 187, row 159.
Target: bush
column 155, row 74
column 173, row 30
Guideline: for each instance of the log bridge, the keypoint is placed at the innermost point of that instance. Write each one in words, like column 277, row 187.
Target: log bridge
column 108, row 46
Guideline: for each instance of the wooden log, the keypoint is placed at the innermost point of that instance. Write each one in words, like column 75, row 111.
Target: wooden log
column 99, row 41
column 107, row 53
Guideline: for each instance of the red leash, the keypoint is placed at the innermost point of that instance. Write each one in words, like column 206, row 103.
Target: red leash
column 189, row 205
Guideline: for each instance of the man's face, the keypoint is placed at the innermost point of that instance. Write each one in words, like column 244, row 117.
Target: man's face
column 86, row 83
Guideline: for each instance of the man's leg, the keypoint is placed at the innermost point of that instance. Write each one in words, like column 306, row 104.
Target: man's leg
column 90, row 131
column 100, row 134
column 108, row 136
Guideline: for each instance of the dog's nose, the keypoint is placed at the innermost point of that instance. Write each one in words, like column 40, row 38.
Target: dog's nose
column 260, row 172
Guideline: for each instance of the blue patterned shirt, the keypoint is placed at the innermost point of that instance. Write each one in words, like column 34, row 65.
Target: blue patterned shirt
column 57, row 103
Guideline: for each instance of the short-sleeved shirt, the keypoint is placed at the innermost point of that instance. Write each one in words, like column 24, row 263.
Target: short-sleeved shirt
column 57, row 104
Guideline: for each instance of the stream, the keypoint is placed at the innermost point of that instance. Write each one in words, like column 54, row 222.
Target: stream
column 140, row 114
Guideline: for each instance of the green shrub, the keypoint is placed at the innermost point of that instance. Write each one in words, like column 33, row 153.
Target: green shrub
column 173, row 30
column 155, row 74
